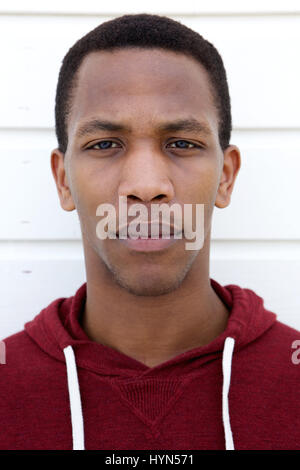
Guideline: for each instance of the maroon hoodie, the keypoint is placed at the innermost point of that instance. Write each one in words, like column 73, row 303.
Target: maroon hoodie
column 60, row 390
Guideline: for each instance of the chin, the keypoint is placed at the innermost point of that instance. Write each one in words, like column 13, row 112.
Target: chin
column 148, row 284
column 151, row 278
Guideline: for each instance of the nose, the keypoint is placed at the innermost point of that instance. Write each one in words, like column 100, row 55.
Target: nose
column 145, row 177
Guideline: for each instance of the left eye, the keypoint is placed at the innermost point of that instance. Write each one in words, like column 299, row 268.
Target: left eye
column 183, row 144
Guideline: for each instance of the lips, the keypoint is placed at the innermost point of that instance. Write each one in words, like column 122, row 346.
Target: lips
column 148, row 244
column 169, row 230
column 159, row 243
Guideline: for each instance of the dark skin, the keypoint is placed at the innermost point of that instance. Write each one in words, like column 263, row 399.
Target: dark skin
column 151, row 306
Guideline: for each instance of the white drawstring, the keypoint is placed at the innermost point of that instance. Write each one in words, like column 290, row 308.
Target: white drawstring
column 75, row 401
column 226, row 367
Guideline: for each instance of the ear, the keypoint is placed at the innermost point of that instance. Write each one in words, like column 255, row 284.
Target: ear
column 231, row 166
column 60, row 177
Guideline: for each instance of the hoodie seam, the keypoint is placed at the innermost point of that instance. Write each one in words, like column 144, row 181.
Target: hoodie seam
column 152, row 424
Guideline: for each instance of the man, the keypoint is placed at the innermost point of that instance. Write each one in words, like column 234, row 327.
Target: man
column 150, row 353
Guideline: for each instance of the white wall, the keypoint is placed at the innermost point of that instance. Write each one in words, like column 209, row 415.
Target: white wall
column 256, row 241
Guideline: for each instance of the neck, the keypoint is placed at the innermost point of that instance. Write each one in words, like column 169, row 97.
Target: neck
column 152, row 330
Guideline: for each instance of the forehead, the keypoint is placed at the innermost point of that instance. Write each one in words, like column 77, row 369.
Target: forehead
column 143, row 85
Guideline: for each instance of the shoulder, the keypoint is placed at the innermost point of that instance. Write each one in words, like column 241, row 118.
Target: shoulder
column 285, row 342
column 16, row 347
column 274, row 355
column 281, row 337
column 23, row 361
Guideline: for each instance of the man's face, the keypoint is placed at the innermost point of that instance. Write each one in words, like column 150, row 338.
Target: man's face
column 142, row 89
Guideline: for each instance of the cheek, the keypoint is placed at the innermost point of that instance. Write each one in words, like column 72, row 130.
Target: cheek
column 202, row 189
column 90, row 187
column 203, row 184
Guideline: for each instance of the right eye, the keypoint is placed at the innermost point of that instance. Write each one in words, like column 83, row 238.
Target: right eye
column 103, row 145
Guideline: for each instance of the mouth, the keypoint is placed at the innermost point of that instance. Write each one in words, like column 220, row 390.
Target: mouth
column 148, row 244
column 159, row 242
column 161, row 231
column 147, row 238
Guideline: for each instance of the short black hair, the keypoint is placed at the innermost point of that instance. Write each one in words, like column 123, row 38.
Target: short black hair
column 142, row 31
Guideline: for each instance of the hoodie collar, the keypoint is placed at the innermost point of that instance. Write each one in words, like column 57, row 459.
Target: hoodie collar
column 58, row 326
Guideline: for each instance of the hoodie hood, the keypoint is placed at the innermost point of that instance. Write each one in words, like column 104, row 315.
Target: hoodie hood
column 59, row 325
column 57, row 331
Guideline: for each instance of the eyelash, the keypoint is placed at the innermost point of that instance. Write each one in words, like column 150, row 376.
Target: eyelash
column 179, row 140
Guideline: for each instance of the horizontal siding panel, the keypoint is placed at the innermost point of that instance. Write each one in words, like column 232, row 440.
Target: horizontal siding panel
column 39, row 282
column 262, row 70
column 34, row 211
column 155, row 6
column 17, row 250
column 266, row 196
column 251, row 250
column 276, row 281
column 264, row 203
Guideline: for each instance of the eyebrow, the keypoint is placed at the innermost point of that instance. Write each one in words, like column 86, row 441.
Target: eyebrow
column 188, row 125
column 98, row 125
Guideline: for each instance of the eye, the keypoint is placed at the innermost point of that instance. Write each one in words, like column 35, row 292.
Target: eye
column 103, row 145
column 184, row 144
